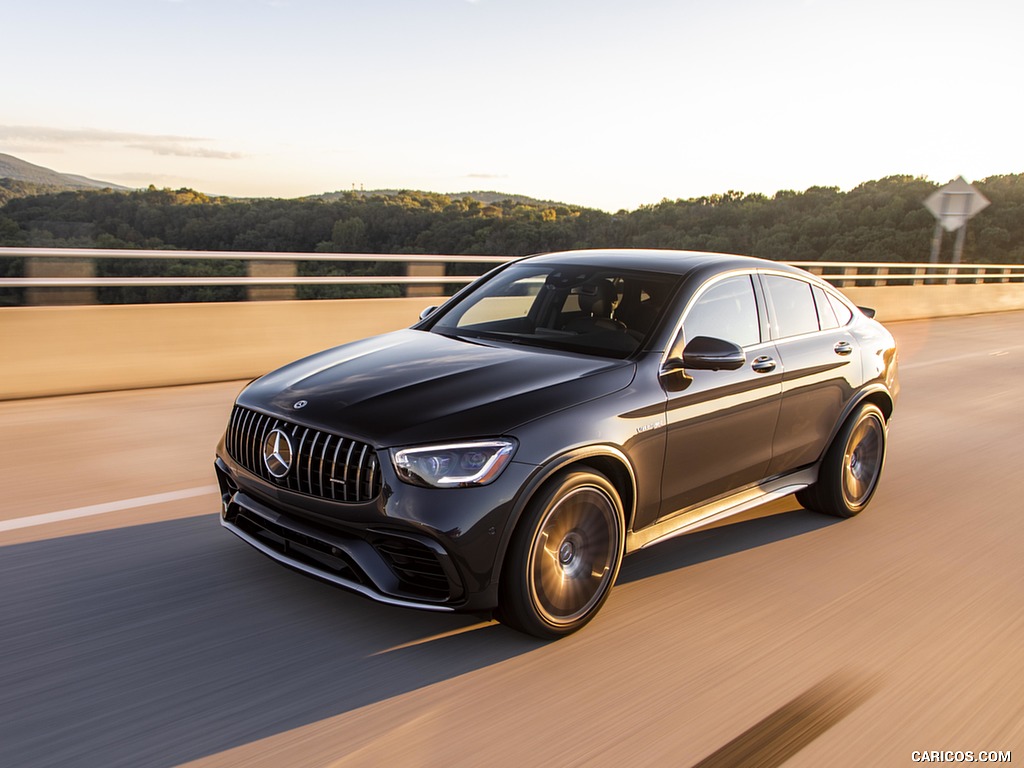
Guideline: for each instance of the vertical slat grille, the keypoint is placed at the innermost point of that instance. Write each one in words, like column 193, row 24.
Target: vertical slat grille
column 322, row 464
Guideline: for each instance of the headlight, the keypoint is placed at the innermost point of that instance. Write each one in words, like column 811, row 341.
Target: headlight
column 455, row 465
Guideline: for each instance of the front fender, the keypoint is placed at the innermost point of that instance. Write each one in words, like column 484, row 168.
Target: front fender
column 607, row 459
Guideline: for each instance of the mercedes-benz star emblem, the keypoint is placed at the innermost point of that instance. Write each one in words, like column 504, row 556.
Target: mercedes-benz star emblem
column 300, row 404
column 277, row 453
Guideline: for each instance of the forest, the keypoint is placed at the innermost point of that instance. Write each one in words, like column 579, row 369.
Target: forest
column 882, row 220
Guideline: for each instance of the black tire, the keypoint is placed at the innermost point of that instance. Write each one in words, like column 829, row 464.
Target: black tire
column 564, row 556
column 852, row 466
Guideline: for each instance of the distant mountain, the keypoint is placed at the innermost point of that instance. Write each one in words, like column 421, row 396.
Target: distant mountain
column 13, row 168
column 485, row 197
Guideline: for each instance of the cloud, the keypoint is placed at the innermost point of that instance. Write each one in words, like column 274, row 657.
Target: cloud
column 158, row 144
column 178, row 150
column 486, row 176
column 149, row 178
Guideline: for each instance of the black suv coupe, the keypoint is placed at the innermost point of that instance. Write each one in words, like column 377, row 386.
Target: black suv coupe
column 505, row 452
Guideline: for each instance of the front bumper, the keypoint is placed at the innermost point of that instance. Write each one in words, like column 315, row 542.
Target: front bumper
column 434, row 549
column 346, row 561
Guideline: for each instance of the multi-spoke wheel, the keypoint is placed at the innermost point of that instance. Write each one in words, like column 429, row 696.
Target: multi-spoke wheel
column 852, row 465
column 564, row 556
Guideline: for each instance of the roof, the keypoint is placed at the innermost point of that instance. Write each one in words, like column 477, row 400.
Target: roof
column 669, row 262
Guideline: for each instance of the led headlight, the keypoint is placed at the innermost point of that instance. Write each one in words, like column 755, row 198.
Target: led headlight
column 455, row 465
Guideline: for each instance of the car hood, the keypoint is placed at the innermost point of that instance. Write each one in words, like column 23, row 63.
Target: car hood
column 414, row 386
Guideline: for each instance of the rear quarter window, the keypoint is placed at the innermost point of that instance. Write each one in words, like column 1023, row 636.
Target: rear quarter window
column 843, row 313
column 826, row 316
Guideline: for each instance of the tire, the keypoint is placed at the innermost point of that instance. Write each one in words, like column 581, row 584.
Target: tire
column 849, row 473
column 564, row 556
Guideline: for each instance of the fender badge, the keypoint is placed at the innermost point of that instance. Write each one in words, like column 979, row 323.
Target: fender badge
column 649, row 427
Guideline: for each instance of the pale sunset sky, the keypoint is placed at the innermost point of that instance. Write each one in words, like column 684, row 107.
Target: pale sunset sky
column 605, row 103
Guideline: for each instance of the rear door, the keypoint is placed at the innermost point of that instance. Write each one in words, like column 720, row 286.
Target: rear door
column 822, row 369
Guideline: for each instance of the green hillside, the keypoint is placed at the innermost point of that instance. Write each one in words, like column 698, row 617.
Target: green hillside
column 881, row 220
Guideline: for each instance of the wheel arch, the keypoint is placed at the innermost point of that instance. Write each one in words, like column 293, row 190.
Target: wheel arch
column 877, row 396
column 882, row 399
column 604, row 459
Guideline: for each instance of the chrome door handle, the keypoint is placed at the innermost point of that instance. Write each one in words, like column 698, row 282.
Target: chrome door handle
column 843, row 348
column 763, row 364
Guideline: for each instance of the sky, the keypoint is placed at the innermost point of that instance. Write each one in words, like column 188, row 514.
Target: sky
column 610, row 104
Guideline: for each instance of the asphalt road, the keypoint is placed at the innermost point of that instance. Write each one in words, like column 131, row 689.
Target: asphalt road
column 142, row 634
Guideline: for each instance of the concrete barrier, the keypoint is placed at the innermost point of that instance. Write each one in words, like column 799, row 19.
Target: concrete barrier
column 918, row 302
column 74, row 349
column 61, row 350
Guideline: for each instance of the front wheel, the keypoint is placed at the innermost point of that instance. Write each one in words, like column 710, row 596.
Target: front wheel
column 851, row 468
column 564, row 556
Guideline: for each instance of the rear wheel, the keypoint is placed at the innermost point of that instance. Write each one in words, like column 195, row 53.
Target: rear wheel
column 564, row 556
column 852, row 465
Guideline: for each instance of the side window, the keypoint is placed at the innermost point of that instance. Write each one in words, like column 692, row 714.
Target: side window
column 843, row 313
column 826, row 316
column 795, row 312
column 727, row 310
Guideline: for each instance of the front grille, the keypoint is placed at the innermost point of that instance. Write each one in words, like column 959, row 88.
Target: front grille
column 322, row 464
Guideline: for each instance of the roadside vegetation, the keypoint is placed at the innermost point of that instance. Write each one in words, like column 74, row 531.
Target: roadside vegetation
column 881, row 220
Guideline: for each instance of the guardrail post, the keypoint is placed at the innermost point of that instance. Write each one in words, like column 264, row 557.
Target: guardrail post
column 843, row 272
column 272, row 269
column 425, row 269
column 60, row 267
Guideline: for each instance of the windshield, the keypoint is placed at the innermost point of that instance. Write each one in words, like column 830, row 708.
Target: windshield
column 602, row 311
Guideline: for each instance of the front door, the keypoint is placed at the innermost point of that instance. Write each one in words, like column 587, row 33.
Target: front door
column 720, row 423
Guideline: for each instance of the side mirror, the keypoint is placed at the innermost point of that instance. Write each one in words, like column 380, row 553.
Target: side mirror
column 704, row 353
column 427, row 312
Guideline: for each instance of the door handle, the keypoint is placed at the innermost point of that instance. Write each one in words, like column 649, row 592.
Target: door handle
column 843, row 348
column 763, row 364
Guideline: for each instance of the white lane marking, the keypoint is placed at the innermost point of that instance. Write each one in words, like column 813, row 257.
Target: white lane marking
column 110, row 506
column 956, row 358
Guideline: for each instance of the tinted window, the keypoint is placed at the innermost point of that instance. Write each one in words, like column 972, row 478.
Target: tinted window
column 727, row 310
column 826, row 317
column 505, row 301
column 578, row 308
column 843, row 313
column 795, row 312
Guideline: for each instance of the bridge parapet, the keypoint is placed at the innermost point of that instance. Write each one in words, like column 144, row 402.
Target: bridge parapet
column 58, row 350
column 69, row 269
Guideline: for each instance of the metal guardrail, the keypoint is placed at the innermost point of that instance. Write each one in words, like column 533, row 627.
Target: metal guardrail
column 863, row 273
column 162, row 282
column 841, row 274
column 142, row 253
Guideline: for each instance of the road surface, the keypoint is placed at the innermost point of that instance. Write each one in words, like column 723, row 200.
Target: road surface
column 136, row 632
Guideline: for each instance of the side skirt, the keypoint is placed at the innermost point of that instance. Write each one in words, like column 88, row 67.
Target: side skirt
column 688, row 520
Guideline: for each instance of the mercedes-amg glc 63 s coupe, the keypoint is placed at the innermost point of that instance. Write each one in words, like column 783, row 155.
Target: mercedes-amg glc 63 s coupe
column 505, row 452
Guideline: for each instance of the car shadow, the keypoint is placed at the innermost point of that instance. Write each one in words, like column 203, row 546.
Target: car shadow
column 709, row 544
column 164, row 643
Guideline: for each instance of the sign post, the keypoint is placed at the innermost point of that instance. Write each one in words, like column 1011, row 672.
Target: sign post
column 953, row 206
